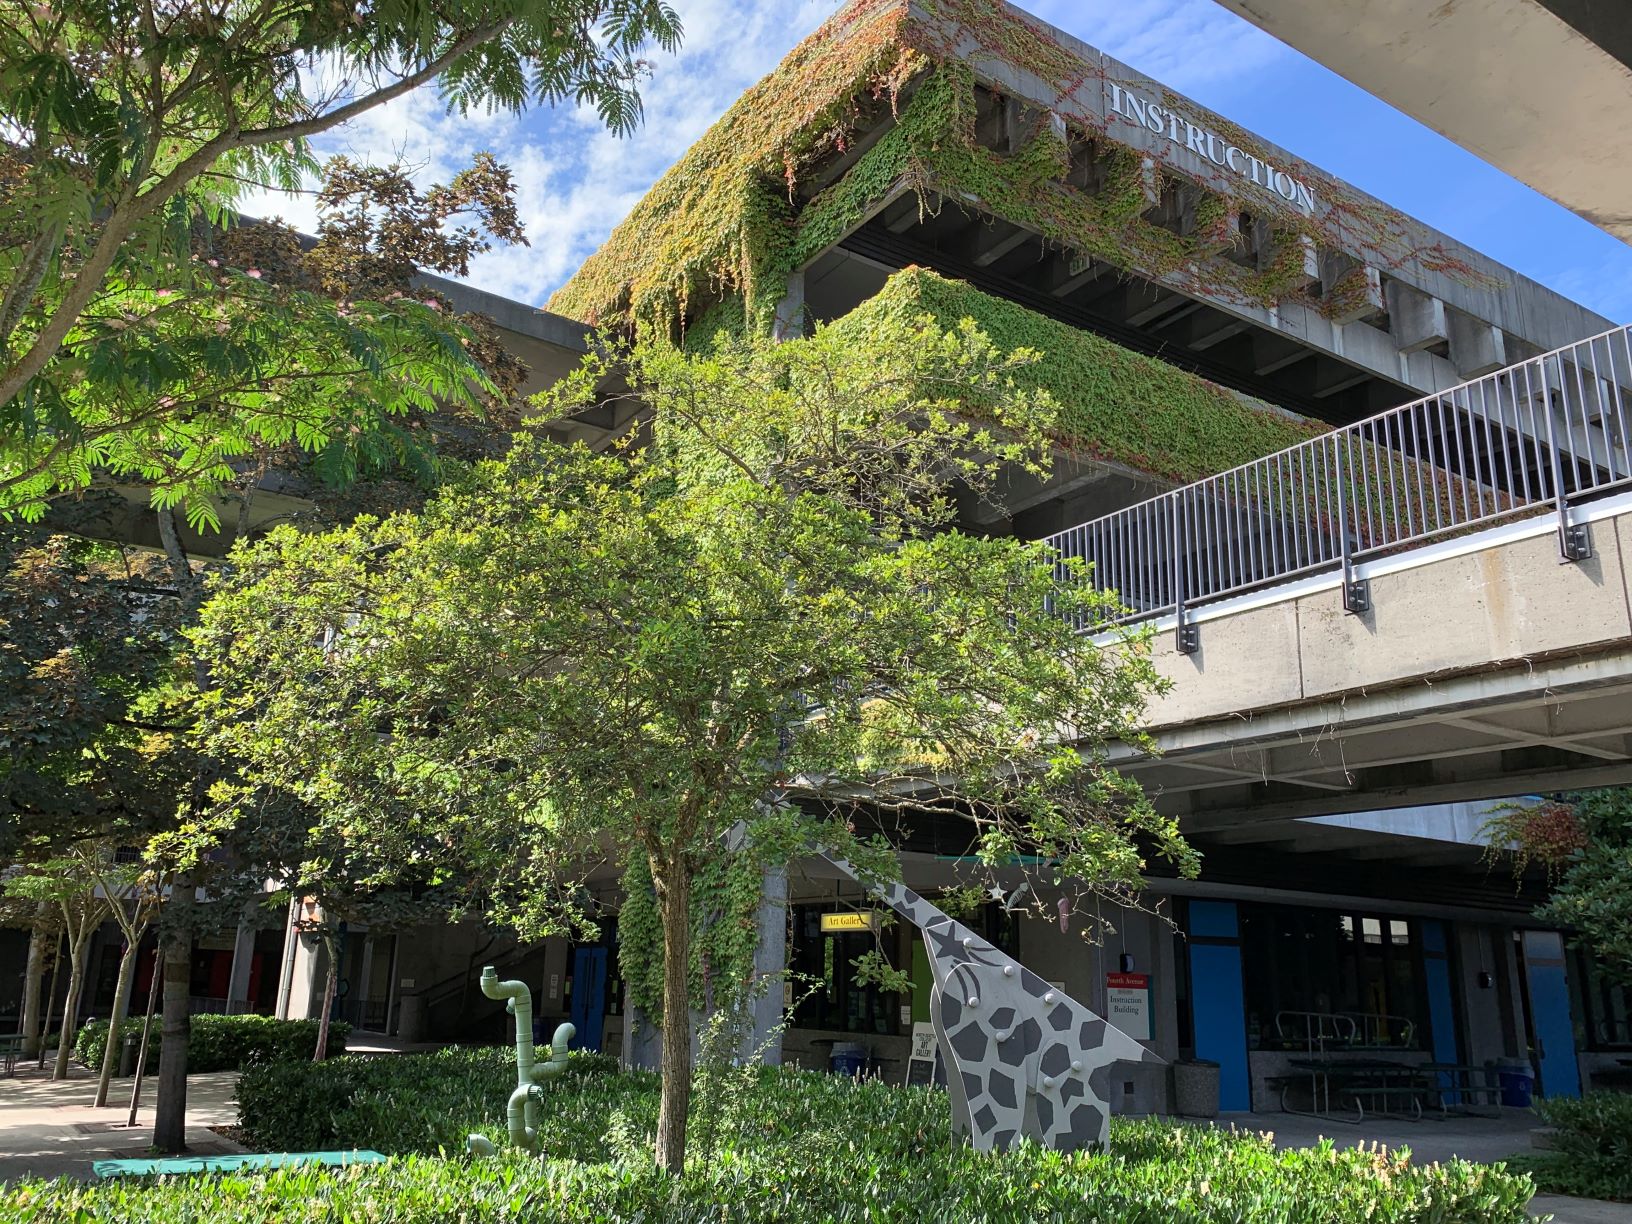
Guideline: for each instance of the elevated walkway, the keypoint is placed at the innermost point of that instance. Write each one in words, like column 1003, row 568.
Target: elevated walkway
column 1431, row 605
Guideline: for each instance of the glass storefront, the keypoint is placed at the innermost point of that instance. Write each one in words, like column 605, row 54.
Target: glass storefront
column 1332, row 978
column 1602, row 1007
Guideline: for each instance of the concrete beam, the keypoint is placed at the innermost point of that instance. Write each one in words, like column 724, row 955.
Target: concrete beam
column 1202, row 331
column 1272, row 355
column 1147, row 304
column 1308, row 255
column 1477, row 348
column 1416, row 320
column 1331, row 377
column 990, row 243
column 1072, row 272
column 903, row 215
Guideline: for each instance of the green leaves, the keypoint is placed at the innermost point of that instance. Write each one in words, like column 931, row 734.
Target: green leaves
column 1592, row 890
column 803, row 1147
column 569, row 662
column 132, row 130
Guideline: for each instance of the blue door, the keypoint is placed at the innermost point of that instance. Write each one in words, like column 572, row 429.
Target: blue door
column 1550, row 1013
column 1218, row 1006
column 1436, row 972
column 588, row 997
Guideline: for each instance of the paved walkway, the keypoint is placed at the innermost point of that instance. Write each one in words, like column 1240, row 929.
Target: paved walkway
column 1486, row 1140
column 48, row 1128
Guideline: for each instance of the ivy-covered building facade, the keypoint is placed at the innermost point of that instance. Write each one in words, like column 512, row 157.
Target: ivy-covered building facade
column 1202, row 298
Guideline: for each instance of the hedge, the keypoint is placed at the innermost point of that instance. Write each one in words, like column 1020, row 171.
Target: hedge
column 221, row 1043
column 801, row 1146
column 1592, row 1146
column 410, row 1103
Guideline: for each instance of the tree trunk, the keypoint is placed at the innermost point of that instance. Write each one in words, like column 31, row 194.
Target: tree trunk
column 674, row 900
column 330, row 985
column 39, row 940
column 141, row 1051
column 176, row 953
column 70, row 1007
column 116, row 1020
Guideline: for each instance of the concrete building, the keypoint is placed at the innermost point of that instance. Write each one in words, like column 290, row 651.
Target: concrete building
column 1522, row 83
column 1370, row 632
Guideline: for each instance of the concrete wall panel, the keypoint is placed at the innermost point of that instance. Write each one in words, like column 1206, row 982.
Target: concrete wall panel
column 1502, row 603
column 1245, row 662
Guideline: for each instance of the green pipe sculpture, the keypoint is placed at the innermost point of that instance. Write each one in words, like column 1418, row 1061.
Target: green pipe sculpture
column 522, row 1112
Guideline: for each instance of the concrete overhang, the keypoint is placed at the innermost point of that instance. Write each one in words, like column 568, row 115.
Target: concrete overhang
column 1485, row 669
column 1539, row 88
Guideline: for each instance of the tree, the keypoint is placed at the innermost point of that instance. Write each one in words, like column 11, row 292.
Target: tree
column 125, row 126
column 1592, row 891
column 39, row 919
column 133, row 901
column 69, row 884
column 764, row 614
column 84, row 629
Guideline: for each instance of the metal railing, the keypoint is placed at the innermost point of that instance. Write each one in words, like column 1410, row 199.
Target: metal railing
column 1536, row 437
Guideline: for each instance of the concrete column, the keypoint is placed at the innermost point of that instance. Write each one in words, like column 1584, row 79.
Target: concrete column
column 243, row 961
column 764, row 1040
column 286, row 965
column 790, row 313
column 551, row 1000
column 643, row 1039
column 303, row 973
column 1514, row 1037
column 1483, row 1038
column 358, row 1000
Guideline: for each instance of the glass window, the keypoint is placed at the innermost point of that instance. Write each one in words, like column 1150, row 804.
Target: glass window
column 1324, row 978
column 825, row 991
column 1603, row 1008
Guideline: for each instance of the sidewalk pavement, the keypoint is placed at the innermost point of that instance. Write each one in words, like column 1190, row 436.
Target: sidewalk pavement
column 48, row 1128
column 1485, row 1140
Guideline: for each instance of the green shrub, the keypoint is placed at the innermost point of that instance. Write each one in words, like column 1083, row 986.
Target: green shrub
column 1592, row 1146
column 853, row 1153
column 808, row 1147
column 409, row 1103
column 221, row 1043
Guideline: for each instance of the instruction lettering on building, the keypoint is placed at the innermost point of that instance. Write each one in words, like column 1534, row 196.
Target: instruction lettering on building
column 1165, row 121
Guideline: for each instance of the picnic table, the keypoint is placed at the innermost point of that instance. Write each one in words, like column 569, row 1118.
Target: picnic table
column 1462, row 1085
column 1387, row 1086
column 11, row 1048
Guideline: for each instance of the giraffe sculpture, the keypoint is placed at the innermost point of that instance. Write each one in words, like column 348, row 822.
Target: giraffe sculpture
column 1022, row 1056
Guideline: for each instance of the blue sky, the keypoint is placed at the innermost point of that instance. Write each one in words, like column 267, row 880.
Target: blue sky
column 575, row 182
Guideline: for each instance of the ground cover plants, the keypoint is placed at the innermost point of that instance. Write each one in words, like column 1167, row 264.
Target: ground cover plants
column 807, row 1147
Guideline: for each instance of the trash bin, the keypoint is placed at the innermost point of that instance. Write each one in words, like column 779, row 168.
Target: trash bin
column 847, row 1058
column 1517, row 1082
column 1195, row 1088
column 127, row 1054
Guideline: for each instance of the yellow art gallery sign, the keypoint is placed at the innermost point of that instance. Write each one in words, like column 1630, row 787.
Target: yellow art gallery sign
column 834, row 923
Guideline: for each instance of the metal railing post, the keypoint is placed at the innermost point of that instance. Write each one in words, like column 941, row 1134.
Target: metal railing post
column 1574, row 544
column 1356, row 595
column 1185, row 638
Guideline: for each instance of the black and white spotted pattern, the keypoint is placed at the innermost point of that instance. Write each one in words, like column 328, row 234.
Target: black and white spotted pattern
column 1022, row 1057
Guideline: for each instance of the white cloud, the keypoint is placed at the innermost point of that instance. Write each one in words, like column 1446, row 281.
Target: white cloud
column 1187, row 44
column 575, row 180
